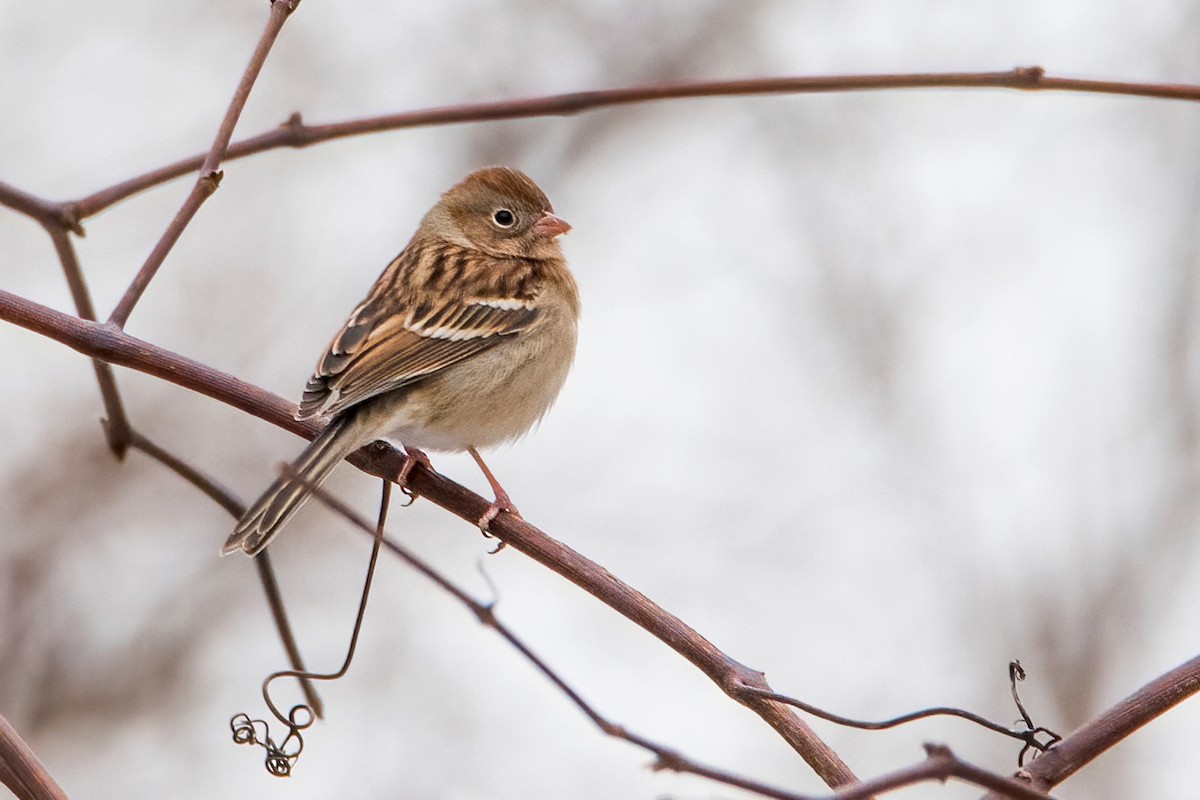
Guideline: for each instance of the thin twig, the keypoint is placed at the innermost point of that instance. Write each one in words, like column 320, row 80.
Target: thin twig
column 205, row 186
column 940, row 765
column 282, row 756
column 1028, row 735
column 44, row 211
column 294, row 133
column 57, row 222
column 117, row 428
column 21, row 771
column 1086, row 744
column 209, row 177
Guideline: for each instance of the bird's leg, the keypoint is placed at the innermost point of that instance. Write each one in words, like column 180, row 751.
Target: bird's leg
column 502, row 501
column 412, row 457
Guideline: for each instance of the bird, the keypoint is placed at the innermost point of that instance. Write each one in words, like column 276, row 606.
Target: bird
column 462, row 343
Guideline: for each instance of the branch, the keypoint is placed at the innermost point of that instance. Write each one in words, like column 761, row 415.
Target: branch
column 209, row 177
column 21, row 771
column 1029, row 733
column 1084, row 745
column 294, row 133
column 117, row 429
column 940, row 764
column 115, row 346
column 46, row 212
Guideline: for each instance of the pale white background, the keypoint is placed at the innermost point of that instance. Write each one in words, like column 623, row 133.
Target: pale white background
column 876, row 390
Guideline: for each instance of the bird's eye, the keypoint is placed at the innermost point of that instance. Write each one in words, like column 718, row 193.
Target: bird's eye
column 504, row 218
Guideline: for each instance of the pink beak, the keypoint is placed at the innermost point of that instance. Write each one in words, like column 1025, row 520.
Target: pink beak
column 551, row 226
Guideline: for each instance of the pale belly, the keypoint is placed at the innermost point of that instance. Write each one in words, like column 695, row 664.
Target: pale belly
column 493, row 397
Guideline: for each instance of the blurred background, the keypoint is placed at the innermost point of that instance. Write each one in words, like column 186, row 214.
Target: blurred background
column 878, row 391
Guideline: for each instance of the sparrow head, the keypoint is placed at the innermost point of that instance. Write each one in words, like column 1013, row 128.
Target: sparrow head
column 501, row 212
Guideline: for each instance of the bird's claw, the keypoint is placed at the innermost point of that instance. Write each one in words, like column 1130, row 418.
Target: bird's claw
column 412, row 457
column 501, row 503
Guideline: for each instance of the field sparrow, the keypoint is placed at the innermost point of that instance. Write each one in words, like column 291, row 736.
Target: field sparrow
column 463, row 342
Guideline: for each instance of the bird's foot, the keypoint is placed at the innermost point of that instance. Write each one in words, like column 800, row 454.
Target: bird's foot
column 412, row 457
column 501, row 503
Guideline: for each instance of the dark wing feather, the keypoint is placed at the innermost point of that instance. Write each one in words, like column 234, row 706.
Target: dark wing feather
column 396, row 337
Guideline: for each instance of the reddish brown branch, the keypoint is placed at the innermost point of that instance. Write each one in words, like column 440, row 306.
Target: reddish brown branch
column 280, row 11
column 21, row 771
column 209, row 177
column 294, row 133
column 117, row 347
column 44, row 211
column 666, row 758
column 1084, row 745
column 205, row 186
column 940, row 765
column 58, row 221
column 116, row 429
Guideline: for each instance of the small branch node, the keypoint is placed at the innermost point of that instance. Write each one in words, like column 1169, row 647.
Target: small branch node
column 210, row 182
column 612, row 729
column 935, row 750
column 296, row 133
column 486, row 614
column 1030, row 77
column 68, row 217
column 118, row 437
column 740, row 678
column 669, row 761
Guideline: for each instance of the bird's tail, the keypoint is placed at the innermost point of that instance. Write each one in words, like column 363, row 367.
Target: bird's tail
column 288, row 494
